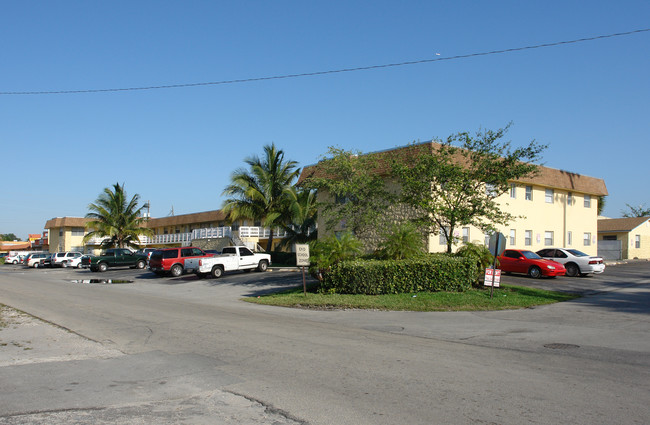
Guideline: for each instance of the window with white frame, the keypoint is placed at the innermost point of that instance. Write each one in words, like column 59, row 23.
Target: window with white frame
column 466, row 234
column 490, row 190
column 587, row 201
column 569, row 238
column 529, row 193
column 548, row 238
column 569, row 198
column 443, row 239
column 586, row 239
column 513, row 237
column 549, row 196
column 513, row 190
column 637, row 241
column 528, row 237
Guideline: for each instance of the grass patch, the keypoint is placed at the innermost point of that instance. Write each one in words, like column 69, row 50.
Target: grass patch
column 505, row 298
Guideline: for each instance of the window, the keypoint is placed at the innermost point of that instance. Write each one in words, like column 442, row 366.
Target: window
column 466, row 234
column 513, row 234
column 587, row 201
column 569, row 238
column 637, row 241
column 528, row 237
column 549, row 196
column 548, row 238
column 513, row 191
column 78, row 231
column 569, row 199
column 490, row 190
column 443, row 238
column 60, row 232
column 587, row 239
column 529, row 193
column 609, row 238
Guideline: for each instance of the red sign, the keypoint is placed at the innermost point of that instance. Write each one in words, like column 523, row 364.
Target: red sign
column 492, row 277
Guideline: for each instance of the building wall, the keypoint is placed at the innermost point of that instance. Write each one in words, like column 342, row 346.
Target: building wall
column 67, row 239
column 571, row 225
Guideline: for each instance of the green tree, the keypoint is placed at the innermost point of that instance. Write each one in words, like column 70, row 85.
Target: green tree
column 263, row 191
column 300, row 225
column 114, row 216
column 353, row 188
column 450, row 186
column 640, row 211
column 9, row 237
column 403, row 241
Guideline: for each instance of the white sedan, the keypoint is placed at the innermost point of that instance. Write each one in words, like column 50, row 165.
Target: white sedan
column 576, row 262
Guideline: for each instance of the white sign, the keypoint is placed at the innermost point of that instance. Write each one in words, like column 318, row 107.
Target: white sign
column 492, row 277
column 302, row 255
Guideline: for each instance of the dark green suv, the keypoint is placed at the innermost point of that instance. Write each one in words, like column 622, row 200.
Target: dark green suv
column 114, row 257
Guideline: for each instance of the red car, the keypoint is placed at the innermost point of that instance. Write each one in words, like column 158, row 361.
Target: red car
column 172, row 260
column 527, row 262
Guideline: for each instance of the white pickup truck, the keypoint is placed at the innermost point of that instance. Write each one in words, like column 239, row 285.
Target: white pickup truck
column 231, row 258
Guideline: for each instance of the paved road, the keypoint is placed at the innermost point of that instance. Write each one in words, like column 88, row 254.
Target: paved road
column 581, row 362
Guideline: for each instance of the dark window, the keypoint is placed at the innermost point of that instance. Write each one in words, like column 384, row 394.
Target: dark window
column 229, row 250
column 170, row 253
column 245, row 252
column 186, row 252
column 511, row 254
column 196, row 251
column 546, row 253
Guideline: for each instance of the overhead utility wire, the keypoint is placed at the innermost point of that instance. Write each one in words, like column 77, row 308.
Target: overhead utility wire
column 334, row 71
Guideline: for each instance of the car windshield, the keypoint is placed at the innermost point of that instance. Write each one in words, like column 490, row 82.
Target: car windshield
column 577, row 253
column 530, row 255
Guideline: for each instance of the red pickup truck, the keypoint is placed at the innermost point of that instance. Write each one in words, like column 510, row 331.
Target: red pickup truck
column 172, row 260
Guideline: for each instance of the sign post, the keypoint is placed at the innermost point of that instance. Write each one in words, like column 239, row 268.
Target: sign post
column 496, row 245
column 302, row 260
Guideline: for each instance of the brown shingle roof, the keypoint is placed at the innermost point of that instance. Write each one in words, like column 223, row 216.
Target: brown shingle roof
column 66, row 222
column 546, row 176
column 620, row 224
column 195, row 218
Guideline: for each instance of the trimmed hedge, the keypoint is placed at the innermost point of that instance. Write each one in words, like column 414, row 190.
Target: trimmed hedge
column 431, row 273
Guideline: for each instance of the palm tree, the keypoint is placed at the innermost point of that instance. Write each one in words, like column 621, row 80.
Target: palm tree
column 263, row 191
column 115, row 217
column 300, row 225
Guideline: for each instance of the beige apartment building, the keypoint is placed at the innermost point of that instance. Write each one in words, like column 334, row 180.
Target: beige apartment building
column 624, row 238
column 555, row 209
column 67, row 233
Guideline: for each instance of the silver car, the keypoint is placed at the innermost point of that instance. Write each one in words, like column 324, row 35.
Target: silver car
column 576, row 262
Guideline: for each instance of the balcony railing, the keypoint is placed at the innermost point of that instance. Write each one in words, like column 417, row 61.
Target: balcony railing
column 206, row 233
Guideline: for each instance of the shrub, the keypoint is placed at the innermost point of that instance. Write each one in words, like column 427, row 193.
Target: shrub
column 480, row 254
column 431, row 273
column 401, row 242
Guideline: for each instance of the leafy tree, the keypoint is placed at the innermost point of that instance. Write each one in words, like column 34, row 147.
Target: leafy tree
column 9, row 237
column 403, row 241
column 451, row 186
column 300, row 225
column 480, row 253
column 640, row 211
column 114, row 216
column 263, row 191
column 355, row 194
column 602, row 199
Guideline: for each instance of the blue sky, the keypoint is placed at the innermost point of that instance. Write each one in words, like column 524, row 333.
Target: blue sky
column 177, row 147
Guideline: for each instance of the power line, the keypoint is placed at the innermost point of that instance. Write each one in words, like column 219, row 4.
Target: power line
column 334, row 71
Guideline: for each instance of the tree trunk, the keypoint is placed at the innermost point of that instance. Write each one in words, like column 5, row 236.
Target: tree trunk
column 269, row 243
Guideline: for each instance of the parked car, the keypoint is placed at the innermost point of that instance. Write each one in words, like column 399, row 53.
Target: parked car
column 34, row 260
column 114, row 257
column 232, row 258
column 46, row 262
column 147, row 252
column 576, row 262
column 527, row 262
column 14, row 259
column 172, row 260
column 59, row 257
column 74, row 261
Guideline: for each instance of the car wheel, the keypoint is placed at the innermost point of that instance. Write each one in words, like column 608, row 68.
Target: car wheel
column 102, row 267
column 217, row 272
column 535, row 272
column 79, row 265
column 176, row 270
column 35, row 265
column 140, row 264
column 263, row 266
column 572, row 270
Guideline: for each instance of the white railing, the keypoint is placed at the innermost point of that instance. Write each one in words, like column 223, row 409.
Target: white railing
column 206, row 233
column 260, row 232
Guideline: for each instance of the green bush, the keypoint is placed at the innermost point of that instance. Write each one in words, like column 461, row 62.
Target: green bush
column 430, row 273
